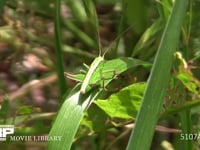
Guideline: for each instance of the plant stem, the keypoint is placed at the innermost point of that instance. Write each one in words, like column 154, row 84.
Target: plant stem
column 59, row 54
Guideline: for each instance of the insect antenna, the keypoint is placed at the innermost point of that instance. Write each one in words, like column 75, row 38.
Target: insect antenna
column 114, row 41
column 99, row 42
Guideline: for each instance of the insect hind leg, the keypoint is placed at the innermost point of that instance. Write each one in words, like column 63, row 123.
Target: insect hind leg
column 108, row 77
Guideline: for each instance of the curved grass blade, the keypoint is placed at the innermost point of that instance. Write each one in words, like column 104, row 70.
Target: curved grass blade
column 142, row 134
column 69, row 118
column 75, row 105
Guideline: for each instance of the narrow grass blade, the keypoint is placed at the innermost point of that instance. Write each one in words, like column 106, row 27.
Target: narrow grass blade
column 142, row 134
column 75, row 105
column 69, row 118
column 59, row 54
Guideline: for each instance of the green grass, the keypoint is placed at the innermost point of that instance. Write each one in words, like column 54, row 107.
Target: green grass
column 149, row 78
column 59, row 52
column 158, row 80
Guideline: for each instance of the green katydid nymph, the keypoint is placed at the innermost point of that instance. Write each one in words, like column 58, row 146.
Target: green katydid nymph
column 91, row 69
column 94, row 65
column 90, row 72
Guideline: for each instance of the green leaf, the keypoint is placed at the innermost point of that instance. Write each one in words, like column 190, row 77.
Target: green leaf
column 95, row 119
column 110, row 69
column 75, row 105
column 124, row 104
column 115, row 66
column 69, row 118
